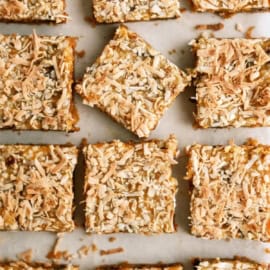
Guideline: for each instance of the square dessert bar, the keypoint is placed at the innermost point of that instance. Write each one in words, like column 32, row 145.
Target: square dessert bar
column 129, row 10
column 35, row 266
column 230, row 6
column 33, row 11
column 36, row 191
column 232, row 85
column 132, row 82
column 129, row 187
column 36, row 75
column 175, row 266
column 230, row 191
column 221, row 264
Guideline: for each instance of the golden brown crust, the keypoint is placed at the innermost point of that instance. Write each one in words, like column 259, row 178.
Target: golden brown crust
column 36, row 83
column 230, row 191
column 33, row 11
column 119, row 174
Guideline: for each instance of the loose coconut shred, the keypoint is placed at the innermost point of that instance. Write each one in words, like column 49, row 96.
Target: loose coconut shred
column 232, row 6
column 36, row 74
column 231, row 191
column 232, row 85
column 36, row 187
column 33, row 10
column 129, row 187
column 132, row 82
column 126, row 10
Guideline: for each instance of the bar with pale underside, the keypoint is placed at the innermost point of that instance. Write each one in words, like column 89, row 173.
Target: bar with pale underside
column 132, row 83
column 36, row 187
column 30, row 11
column 129, row 187
column 232, row 82
column 228, row 264
column 230, row 191
column 20, row 265
column 36, row 76
column 230, row 6
column 175, row 266
column 127, row 10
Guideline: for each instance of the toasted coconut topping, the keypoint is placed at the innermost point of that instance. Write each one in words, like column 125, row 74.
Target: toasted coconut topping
column 36, row 74
column 175, row 266
column 231, row 6
column 36, row 187
column 35, row 266
column 232, row 86
column 129, row 10
column 33, row 10
column 231, row 191
column 129, row 187
column 224, row 264
column 132, row 82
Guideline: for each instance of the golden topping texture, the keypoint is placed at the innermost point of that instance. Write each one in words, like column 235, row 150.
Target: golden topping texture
column 129, row 187
column 36, row 187
column 132, row 82
column 134, row 10
column 36, row 74
column 232, row 85
column 33, row 10
column 231, row 191
column 231, row 6
column 221, row 264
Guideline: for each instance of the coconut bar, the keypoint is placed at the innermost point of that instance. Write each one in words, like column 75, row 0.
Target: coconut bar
column 175, row 266
column 221, row 264
column 127, row 10
column 232, row 85
column 36, row 189
column 132, row 82
column 33, row 11
column 36, row 75
column 129, row 187
column 35, row 266
column 230, row 6
column 231, row 188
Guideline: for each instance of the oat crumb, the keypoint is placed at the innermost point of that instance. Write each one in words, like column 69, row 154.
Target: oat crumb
column 83, row 251
column 94, row 247
column 80, row 54
column 112, row 239
column 111, row 251
column 213, row 27
column 249, row 32
column 267, row 250
column 26, row 256
column 239, row 27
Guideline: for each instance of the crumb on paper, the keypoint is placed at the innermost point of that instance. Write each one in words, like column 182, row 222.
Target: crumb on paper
column 80, row 54
column 249, row 32
column 239, row 27
column 112, row 239
column 83, row 251
column 172, row 51
column 91, row 21
column 183, row 10
column 26, row 255
column 94, row 247
column 213, row 27
column 111, row 251
column 267, row 250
